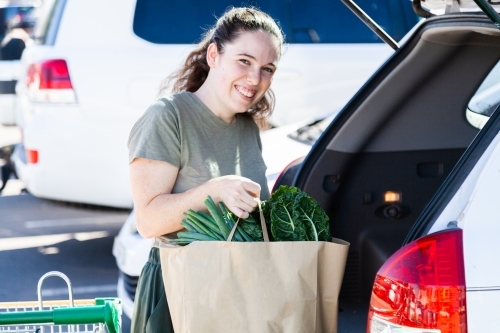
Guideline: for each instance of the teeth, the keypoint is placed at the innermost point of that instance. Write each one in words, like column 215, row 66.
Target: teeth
column 247, row 92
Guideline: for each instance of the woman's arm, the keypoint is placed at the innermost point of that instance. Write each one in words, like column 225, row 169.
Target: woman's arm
column 159, row 212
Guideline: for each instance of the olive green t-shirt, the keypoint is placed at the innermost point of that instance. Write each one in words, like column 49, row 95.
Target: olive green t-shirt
column 182, row 131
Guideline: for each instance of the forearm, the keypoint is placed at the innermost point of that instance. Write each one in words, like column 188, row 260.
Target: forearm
column 164, row 213
column 159, row 212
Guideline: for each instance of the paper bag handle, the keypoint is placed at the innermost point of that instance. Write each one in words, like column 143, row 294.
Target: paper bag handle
column 262, row 224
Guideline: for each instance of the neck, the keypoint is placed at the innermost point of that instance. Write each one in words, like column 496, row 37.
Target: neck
column 203, row 93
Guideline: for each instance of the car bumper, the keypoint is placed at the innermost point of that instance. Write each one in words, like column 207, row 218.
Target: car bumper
column 131, row 252
column 80, row 159
column 18, row 159
column 126, row 297
column 8, row 106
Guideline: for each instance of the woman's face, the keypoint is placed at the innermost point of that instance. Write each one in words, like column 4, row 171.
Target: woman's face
column 243, row 72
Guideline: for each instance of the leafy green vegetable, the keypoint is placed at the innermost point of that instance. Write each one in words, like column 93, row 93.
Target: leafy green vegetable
column 251, row 226
column 290, row 214
column 284, row 224
column 295, row 216
column 314, row 218
column 216, row 214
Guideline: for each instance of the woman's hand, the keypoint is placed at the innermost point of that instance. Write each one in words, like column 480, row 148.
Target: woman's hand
column 237, row 193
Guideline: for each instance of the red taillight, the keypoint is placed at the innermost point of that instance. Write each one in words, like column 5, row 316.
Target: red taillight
column 49, row 81
column 51, row 74
column 32, row 156
column 421, row 286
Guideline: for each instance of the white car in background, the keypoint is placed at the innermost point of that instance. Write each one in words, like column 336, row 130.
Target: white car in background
column 98, row 64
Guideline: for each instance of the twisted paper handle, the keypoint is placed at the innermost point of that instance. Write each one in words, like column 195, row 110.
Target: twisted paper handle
column 262, row 224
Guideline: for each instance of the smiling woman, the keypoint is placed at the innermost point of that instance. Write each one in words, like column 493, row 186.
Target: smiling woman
column 201, row 141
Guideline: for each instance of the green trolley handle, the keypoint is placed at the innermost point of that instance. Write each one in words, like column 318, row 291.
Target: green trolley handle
column 107, row 313
column 105, row 310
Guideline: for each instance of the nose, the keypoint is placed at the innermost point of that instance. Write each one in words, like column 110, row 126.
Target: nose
column 253, row 76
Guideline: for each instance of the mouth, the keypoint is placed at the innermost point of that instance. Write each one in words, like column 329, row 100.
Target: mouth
column 249, row 93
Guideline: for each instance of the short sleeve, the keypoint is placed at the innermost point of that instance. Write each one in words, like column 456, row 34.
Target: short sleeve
column 155, row 135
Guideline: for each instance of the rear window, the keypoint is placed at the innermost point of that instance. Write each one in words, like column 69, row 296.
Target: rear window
column 13, row 16
column 304, row 21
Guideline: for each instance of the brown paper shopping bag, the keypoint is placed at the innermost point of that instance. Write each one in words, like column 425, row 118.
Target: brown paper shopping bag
column 254, row 287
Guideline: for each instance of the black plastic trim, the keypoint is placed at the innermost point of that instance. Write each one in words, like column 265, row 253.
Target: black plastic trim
column 417, row 8
column 7, row 87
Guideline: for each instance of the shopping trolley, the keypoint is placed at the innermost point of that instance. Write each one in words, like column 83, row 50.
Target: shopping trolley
column 98, row 315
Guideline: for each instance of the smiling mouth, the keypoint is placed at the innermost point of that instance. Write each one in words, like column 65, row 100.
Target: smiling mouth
column 246, row 92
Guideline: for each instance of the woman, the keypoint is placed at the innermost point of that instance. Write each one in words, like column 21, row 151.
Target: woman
column 202, row 140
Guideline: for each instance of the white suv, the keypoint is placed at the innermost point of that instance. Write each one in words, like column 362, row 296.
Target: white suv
column 98, row 65
column 409, row 174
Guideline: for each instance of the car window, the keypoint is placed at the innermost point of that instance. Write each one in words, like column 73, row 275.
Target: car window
column 11, row 13
column 312, row 21
column 12, row 16
column 332, row 22
column 486, row 99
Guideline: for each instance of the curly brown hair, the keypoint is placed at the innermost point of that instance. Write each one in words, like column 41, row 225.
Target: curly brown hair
column 228, row 27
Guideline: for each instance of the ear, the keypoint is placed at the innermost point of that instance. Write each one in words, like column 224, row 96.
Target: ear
column 212, row 54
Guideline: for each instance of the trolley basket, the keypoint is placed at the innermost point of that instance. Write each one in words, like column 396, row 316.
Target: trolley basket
column 98, row 315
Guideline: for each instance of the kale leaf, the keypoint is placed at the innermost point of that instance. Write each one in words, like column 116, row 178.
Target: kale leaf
column 295, row 216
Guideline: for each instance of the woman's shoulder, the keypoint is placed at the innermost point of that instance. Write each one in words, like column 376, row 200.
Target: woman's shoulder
column 172, row 103
column 162, row 113
column 165, row 106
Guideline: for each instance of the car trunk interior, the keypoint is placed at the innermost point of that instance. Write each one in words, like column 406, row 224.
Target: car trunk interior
column 380, row 162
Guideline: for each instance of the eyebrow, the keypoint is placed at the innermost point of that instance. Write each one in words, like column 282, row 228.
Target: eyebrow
column 251, row 56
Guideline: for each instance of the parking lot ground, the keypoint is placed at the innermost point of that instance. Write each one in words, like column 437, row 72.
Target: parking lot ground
column 27, row 215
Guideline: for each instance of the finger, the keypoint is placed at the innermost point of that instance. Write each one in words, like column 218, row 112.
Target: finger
column 239, row 212
column 252, row 188
column 248, row 202
column 246, row 207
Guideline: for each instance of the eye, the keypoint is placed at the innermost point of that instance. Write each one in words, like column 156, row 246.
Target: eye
column 245, row 61
column 269, row 70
